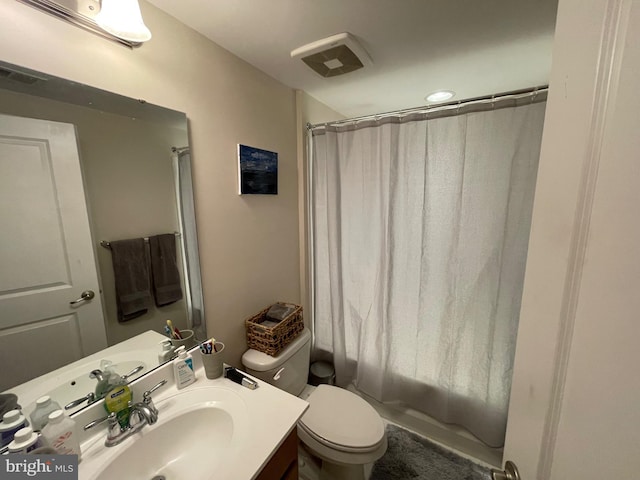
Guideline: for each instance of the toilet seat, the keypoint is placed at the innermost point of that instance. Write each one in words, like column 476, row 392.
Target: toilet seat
column 342, row 421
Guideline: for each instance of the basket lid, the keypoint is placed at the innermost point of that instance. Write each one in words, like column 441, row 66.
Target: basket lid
column 261, row 362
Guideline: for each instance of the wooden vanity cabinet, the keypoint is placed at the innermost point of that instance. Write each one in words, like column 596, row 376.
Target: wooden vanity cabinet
column 283, row 465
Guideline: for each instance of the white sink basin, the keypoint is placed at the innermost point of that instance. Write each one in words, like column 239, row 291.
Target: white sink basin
column 197, row 433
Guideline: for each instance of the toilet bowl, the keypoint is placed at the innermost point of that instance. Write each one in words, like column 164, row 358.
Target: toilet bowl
column 339, row 427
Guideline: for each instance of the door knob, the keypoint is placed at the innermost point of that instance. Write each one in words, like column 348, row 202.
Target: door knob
column 510, row 472
column 84, row 296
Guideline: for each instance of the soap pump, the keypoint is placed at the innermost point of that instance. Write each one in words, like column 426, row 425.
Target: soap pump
column 167, row 351
column 107, row 378
column 183, row 368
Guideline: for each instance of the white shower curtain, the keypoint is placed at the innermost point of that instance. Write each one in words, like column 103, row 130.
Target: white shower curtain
column 420, row 233
column 189, row 240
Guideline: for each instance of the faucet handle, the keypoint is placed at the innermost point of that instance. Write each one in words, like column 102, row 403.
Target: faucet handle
column 89, row 398
column 111, row 418
column 114, row 431
column 132, row 372
column 147, row 395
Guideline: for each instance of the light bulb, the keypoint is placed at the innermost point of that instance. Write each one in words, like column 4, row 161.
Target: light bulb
column 122, row 18
column 440, row 96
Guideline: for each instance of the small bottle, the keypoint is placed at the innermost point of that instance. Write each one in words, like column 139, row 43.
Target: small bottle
column 61, row 434
column 24, row 441
column 167, row 352
column 40, row 416
column 183, row 368
column 12, row 421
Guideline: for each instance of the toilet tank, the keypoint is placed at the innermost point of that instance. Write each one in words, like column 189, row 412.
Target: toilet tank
column 287, row 371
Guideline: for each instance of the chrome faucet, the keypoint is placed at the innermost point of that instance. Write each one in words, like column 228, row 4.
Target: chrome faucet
column 141, row 414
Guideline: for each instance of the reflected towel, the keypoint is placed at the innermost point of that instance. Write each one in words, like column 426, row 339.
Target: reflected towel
column 164, row 269
column 131, row 274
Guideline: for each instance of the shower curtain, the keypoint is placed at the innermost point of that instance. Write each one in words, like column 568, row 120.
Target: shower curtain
column 419, row 234
column 191, row 258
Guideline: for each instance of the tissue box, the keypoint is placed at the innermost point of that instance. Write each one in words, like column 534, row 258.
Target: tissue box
column 270, row 337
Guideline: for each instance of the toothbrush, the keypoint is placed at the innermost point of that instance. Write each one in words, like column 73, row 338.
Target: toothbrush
column 208, row 347
column 173, row 330
column 177, row 332
column 204, row 348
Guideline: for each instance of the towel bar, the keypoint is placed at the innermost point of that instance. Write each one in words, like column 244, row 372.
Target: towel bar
column 106, row 244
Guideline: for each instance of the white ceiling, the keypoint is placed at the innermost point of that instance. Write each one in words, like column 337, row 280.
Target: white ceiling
column 473, row 47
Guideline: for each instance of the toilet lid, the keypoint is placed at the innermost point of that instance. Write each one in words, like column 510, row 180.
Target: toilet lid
column 342, row 418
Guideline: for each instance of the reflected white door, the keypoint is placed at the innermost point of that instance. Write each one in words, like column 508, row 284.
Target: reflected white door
column 575, row 400
column 46, row 254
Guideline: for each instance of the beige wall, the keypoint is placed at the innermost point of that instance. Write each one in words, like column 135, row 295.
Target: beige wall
column 315, row 112
column 249, row 244
column 128, row 176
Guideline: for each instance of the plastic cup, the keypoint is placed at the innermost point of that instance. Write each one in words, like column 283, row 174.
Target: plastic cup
column 213, row 361
column 188, row 340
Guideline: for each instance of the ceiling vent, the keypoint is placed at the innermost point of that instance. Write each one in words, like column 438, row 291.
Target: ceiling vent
column 334, row 55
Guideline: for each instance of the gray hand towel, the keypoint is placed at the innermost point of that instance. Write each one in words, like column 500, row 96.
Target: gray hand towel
column 164, row 269
column 131, row 271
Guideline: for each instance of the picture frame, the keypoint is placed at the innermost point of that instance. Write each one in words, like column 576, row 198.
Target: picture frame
column 257, row 171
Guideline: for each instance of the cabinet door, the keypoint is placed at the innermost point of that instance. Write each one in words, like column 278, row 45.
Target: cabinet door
column 284, row 462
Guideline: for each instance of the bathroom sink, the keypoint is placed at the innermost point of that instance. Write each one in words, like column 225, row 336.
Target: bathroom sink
column 214, row 429
column 197, row 434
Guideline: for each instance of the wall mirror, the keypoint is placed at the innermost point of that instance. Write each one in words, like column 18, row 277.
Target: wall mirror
column 81, row 168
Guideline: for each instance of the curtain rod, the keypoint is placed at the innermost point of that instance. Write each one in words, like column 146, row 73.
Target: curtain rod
column 500, row 100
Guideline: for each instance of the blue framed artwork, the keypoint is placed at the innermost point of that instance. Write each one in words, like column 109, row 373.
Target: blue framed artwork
column 257, row 171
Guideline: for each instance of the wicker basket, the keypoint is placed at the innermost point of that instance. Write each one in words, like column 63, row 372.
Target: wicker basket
column 271, row 340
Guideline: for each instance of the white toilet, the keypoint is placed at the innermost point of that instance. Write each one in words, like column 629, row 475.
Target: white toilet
column 339, row 427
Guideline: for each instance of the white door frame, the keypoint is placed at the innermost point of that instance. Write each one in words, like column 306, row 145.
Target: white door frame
column 587, row 61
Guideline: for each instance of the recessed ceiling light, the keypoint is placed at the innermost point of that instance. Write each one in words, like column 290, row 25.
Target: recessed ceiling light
column 440, row 96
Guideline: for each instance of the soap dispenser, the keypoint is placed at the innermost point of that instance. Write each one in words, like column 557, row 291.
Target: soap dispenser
column 168, row 351
column 107, row 379
column 183, row 368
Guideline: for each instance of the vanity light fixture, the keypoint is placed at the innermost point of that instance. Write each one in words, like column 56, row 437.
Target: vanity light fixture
column 122, row 19
column 440, row 96
column 117, row 20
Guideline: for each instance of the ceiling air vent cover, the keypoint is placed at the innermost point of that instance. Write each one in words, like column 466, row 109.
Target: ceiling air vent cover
column 332, row 56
